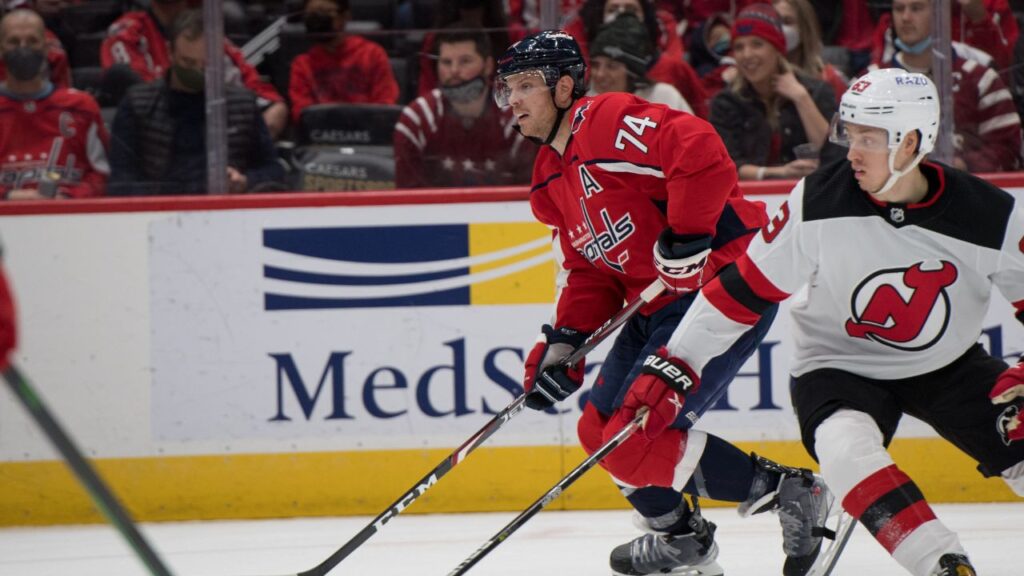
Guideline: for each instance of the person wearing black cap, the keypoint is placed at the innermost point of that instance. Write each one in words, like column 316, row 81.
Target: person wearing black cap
column 620, row 57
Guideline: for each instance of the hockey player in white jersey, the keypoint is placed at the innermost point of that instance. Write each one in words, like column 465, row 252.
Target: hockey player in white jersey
column 898, row 257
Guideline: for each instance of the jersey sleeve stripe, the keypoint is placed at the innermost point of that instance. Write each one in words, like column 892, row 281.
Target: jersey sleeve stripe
column 742, row 292
column 758, row 282
column 719, row 297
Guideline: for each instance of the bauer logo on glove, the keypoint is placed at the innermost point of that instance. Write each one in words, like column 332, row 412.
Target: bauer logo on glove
column 674, row 376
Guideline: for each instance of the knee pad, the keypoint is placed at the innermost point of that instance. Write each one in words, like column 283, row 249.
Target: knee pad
column 590, row 428
column 639, row 462
column 1014, row 478
column 850, row 448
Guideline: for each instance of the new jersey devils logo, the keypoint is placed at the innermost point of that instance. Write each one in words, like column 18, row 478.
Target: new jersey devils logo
column 579, row 117
column 1003, row 423
column 907, row 309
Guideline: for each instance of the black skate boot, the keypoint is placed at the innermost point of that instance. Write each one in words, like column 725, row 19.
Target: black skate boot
column 954, row 565
column 690, row 553
column 803, row 503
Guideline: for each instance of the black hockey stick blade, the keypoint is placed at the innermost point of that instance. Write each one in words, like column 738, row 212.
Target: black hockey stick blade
column 552, row 494
column 101, row 495
column 481, row 436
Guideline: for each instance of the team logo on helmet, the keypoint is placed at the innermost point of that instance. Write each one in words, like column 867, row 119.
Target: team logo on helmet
column 904, row 308
column 1003, row 423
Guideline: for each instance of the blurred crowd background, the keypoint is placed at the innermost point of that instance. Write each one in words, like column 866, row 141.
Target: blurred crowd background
column 106, row 97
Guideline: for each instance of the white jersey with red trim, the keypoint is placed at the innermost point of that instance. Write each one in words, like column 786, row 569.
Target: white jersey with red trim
column 885, row 291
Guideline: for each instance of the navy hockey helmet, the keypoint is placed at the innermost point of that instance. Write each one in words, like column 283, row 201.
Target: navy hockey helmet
column 553, row 53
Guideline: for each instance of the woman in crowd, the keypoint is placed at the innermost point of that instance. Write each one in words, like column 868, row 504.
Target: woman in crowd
column 769, row 110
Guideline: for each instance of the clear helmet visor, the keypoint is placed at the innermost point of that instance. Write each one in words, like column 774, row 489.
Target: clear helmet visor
column 858, row 136
column 519, row 86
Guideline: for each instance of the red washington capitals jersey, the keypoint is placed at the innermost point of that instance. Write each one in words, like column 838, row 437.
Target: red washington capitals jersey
column 630, row 169
column 63, row 133
column 887, row 291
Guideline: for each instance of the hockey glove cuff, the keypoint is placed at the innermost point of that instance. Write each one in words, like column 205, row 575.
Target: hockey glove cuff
column 663, row 384
column 546, row 380
column 681, row 260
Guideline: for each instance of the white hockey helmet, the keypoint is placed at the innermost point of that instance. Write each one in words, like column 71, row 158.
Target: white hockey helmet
column 896, row 101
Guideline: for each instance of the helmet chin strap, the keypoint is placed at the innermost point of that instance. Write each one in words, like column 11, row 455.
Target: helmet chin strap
column 894, row 174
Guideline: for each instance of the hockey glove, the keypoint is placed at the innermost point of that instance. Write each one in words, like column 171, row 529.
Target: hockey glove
column 8, row 334
column 663, row 384
column 681, row 260
column 547, row 380
column 1010, row 385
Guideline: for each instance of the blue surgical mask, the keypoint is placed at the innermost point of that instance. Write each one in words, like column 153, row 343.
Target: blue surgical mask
column 721, row 48
column 915, row 49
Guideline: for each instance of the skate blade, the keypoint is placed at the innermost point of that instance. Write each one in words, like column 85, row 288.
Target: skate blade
column 710, row 569
column 827, row 558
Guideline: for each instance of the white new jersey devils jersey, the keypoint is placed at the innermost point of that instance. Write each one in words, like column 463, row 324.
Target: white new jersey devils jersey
column 885, row 291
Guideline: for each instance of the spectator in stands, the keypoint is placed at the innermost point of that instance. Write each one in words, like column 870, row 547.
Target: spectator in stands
column 769, row 109
column 159, row 132
column 669, row 67
column 711, row 54
column 136, row 49
column 803, row 44
column 56, row 58
column 476, row 14
column 339, row 67
column 456, row 135
column 525, row 14
column 986, row 25
column 850, row 29
column 52, row 140
column 620, row 56
column 986, row 126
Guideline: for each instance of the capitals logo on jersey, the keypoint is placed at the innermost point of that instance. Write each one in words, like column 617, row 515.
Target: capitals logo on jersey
column 904, row 308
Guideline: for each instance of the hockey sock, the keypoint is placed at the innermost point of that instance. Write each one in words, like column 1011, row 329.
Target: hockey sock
column 663, row 508
column 724, row 472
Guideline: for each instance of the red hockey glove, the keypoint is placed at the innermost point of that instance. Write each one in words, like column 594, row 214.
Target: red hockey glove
column 663, row 384
column 681, row 260
column 547, row 380
column 1009, row 386
column 8, row 333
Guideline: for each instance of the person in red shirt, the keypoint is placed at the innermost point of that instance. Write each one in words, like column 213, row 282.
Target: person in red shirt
column 988, row 25
column 340, row 67
column 139, row 40
column 52, row 140
column 456, row 136
column 636, row 193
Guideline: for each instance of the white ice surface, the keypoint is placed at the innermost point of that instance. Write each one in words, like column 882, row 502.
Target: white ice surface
column 552, row 542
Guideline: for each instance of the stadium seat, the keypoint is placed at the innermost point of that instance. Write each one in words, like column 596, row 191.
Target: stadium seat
column 86, row 50
column 330, row 168
column 347, row 125
column 402, row 70
column 87, row 79
column 90, row 17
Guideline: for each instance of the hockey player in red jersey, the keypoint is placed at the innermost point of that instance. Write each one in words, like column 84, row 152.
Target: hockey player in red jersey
column 898, row 257
column 634, row 192
column 52, row 140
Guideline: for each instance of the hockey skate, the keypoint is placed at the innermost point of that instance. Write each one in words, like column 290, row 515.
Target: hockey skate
column 954, row 565
column 804, row 504
column 692, row 553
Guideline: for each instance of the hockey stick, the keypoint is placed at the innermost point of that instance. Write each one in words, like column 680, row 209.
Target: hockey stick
column 551, row 494
column 499, row 420
column 101, row 495
column 826, row 561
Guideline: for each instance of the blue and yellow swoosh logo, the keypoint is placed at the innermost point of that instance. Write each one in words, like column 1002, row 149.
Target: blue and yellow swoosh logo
column 421, row 265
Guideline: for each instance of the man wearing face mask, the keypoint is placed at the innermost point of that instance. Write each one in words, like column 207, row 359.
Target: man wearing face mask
column 137, row 49
column 339, row 67
column 456, row 135
column 56, row 58
column 159, row 132
column 986, row 127
column 52, row 140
